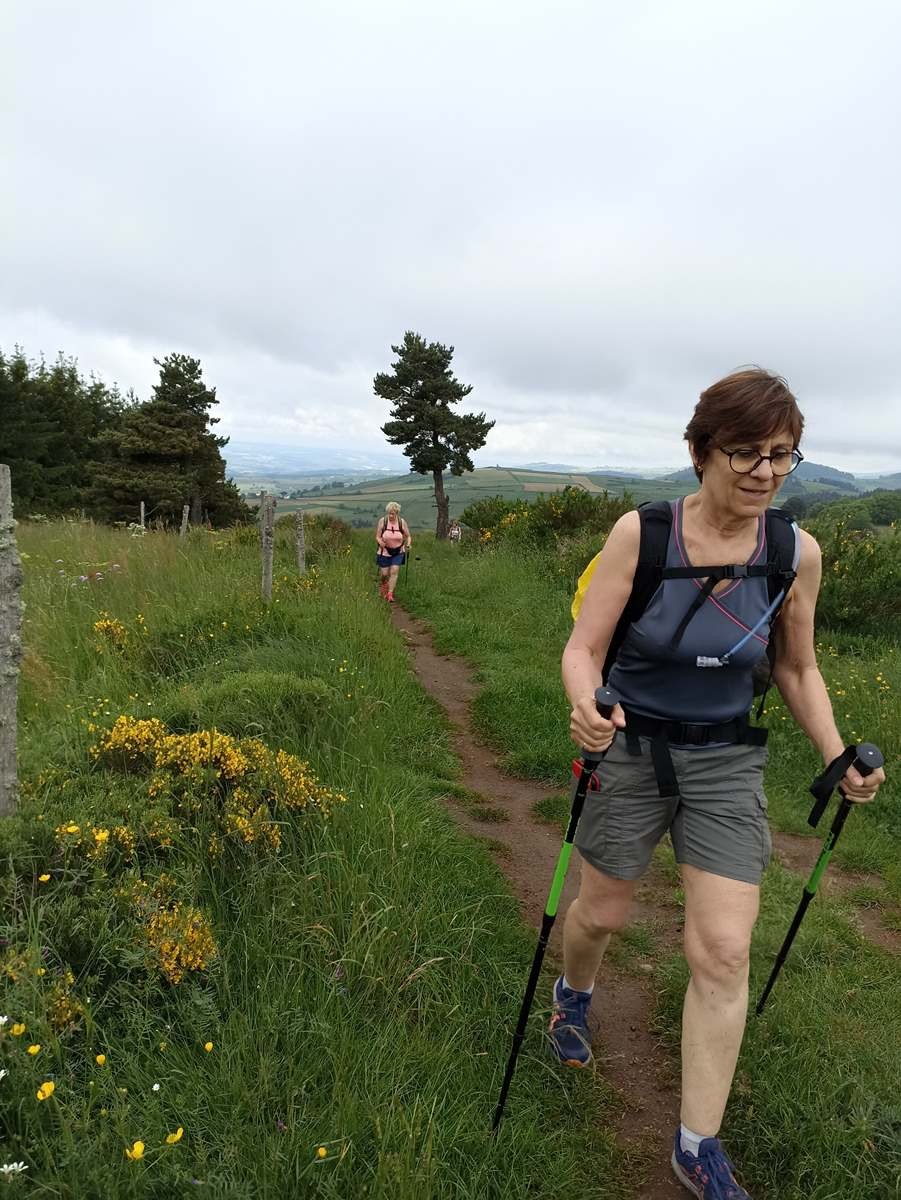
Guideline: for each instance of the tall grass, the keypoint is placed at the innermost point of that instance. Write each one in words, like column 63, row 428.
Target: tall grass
column 360, row 1002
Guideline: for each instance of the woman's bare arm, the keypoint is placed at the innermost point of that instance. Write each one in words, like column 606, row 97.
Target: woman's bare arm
column 797, row 674
column 583, row 658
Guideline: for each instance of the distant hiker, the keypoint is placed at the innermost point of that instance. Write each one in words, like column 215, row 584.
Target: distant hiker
column 455, row 532
column 393, row 539
column 679, row 647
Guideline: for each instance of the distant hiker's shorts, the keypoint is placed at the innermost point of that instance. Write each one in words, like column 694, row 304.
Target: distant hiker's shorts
column 717, row 823
column 391, row 560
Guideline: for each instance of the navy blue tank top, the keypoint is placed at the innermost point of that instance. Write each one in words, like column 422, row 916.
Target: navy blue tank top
column 664, row 682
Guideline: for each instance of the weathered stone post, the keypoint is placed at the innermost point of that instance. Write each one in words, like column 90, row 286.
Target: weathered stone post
column 267, row 542
column 10, row 643
column 301, row 544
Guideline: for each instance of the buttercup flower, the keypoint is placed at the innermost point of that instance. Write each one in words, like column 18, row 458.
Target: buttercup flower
column 322, row 1152
column 136, row 1152
column 35, row 1049
column 208, row 1046
column 100, row 1060
column 18, row 1029
column 46, row 1090
column 43, row 878
column 172, row 1138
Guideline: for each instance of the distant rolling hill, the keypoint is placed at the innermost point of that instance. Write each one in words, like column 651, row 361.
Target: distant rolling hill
column 361, row 503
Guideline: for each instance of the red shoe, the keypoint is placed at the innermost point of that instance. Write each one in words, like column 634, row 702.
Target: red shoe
column 390, row 597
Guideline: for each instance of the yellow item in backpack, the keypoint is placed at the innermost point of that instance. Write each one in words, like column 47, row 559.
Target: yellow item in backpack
column 584, row 580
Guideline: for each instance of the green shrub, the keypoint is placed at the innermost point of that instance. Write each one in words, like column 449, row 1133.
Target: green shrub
column 861, row 588
column 248, row 702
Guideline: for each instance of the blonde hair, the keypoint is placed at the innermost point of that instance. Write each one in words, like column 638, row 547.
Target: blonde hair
column 392, row 506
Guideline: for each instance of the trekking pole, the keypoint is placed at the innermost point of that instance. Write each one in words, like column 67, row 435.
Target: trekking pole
column 605, row 699
column 865, row 758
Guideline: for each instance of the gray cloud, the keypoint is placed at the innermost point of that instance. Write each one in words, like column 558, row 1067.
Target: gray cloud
column 604, row 208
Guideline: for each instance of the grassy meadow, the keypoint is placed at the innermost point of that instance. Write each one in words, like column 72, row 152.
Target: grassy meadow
column 258, row 960
column 815, row 1112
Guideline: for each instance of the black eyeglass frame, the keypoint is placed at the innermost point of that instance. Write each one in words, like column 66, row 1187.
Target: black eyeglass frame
column 799, row 458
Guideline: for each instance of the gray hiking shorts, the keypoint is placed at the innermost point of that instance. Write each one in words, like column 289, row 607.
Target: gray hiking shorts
column 717, row 823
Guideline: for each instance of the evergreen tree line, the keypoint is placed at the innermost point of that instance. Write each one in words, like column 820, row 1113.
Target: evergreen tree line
column 75, row 445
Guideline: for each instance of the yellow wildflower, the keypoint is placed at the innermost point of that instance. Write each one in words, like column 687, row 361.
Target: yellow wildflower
column 46, row 1090
column 35, row 1049
column 100, row 1060
column 18, row 1029
column 136, row 1152
column 322, row 1152
column 43, row 879
column 208, row 1046
column 172, row 1138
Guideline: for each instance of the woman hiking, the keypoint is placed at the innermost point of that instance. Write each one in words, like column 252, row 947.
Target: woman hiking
column 682, row 755
column 393, row 540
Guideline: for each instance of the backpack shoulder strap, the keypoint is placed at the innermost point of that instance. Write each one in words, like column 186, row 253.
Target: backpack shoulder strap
column 783, row 543
column 656, row 517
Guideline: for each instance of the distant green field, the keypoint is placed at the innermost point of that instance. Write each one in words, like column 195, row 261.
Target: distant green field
column 365, row 503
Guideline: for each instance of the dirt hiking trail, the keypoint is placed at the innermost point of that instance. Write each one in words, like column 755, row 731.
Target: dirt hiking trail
column 628, row 1056
column 526, row 849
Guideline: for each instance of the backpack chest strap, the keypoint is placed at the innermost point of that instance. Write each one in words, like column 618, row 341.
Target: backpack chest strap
column 726, row 571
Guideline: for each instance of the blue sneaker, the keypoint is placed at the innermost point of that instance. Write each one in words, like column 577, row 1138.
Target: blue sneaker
column 568, row 1030
column 710, row 1175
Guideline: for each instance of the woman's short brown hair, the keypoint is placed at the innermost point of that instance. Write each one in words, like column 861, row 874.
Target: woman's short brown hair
column 746, row 407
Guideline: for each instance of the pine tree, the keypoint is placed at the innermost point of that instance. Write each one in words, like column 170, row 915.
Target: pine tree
column 165, row 454
column 50, row 423
column 422, row 389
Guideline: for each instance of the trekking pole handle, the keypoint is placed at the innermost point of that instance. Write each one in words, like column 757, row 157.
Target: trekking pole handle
column 605, row 700
column 865, row 758
column 868, row 758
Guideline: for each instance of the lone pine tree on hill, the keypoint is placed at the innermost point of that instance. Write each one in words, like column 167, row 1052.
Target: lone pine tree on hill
column 421, row 389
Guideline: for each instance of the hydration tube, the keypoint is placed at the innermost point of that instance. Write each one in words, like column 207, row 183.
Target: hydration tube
column 724, row 659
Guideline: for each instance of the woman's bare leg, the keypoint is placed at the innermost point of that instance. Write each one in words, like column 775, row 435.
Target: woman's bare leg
column 602, row 907
column 719, row 917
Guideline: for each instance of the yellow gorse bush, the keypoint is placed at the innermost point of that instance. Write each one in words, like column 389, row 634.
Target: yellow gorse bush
column 110, row 632
column 246, row 771
column 181, row 939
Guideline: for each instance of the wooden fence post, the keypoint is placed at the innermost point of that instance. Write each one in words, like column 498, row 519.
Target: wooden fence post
column 267, row 542
column 10, row 643
column 185, row 509
column 301, row 544
column 143, row 525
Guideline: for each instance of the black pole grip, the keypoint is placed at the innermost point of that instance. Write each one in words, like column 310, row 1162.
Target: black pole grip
column 605, row 700
column 865, row 758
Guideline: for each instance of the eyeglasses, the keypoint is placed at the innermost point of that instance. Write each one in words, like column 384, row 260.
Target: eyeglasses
column 744, row 460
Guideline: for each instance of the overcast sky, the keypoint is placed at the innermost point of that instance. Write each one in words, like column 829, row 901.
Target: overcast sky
column 603, row 206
